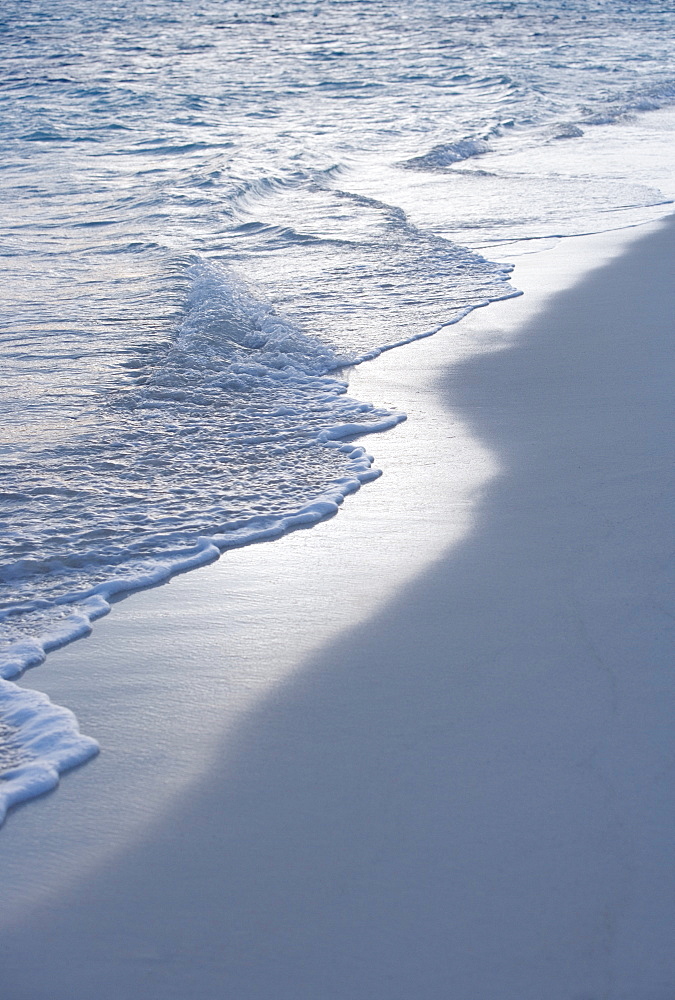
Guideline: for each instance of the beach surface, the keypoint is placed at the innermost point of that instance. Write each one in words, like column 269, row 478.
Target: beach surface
column 424, row 749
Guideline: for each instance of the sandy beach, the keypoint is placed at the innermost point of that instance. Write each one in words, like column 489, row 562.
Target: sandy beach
column 424, row 749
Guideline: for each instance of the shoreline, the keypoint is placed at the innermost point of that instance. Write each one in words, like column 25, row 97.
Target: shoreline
column 167, row 784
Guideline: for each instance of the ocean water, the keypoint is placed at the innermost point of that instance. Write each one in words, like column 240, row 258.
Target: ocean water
column 211, row 211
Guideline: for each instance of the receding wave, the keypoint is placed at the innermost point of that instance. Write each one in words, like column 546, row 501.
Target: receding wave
column 228, row 435
column 445, row 154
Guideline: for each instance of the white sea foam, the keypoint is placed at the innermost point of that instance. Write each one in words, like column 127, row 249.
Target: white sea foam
column 94, row 602
column 46, row 740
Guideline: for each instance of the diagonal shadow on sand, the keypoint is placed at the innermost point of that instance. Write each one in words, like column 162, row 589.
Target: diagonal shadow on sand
column 470, row 796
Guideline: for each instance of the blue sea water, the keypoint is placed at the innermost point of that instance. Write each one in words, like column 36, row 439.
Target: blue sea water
column 204, row 227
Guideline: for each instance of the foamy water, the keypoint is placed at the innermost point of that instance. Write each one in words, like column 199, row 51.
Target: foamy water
column 212, row 211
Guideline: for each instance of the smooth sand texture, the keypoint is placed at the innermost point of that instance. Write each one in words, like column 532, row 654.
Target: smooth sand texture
column 467, row 795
